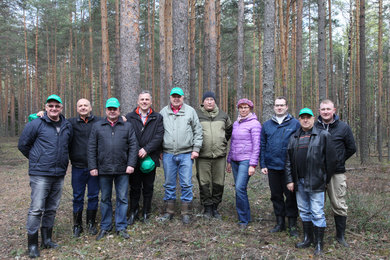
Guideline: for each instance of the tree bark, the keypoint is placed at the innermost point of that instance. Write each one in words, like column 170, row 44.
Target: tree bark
column 93, row 96
column 269, row 59
column 28, row 86
column 129, row 40
column 240, row 49
column 380, row 81
column 298, row 58
column 180, row 46
column 106, row 75
column 117, row 48
column 321, row 67
column 163, row 70
column 192, row 45
column 363, row 91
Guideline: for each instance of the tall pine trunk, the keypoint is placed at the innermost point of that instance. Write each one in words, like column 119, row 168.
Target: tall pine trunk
column 105, row 52
column 240, row 49
column 321, row 62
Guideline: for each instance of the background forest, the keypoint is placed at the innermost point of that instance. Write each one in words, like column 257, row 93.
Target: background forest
column 304, row 50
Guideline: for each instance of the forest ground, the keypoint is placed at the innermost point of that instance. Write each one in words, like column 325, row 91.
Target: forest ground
column 367, row 231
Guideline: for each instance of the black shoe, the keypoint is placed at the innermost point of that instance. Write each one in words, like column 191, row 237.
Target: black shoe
column 133, row 217
column 46, row 234
column 292, row 227
column 208, row 211
column 341, row 222
column 91, row 222
column 102, row 234
column 78, row 223
column 147, row 209
column 216, row 213
column 123, row 234
column 318, row 240
column 307, row 235
column 280, row 225
column 33, row 250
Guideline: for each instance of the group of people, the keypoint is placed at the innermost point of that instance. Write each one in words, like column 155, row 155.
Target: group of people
column 301, row 158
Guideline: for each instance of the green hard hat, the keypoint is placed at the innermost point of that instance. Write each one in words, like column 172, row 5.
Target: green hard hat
column 147, row 165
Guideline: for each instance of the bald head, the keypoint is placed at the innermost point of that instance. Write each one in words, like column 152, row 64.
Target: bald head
column 84, row 107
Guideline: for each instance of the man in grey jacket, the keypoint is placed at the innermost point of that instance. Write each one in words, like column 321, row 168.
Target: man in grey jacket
column 181, row 145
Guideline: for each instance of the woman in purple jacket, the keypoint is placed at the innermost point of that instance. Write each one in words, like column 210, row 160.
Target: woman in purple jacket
column 243, row 156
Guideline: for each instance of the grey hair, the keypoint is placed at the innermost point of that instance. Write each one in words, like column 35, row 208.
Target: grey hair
column 146, row 92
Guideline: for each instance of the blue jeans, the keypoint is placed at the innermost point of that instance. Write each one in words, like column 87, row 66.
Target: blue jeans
column 80, row 179
column 121, row 188
column 45, row 198
column 178, row 164
column 241, row 179
column 311, row 205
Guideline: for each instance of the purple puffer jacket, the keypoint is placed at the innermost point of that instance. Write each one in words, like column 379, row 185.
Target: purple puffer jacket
column 245, row 142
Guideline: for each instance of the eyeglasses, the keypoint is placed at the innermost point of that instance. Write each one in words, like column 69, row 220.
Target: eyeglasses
column 243, row 108
column 56, row 106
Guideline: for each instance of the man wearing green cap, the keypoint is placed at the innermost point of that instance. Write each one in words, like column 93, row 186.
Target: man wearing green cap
column 311, row 160
column 149, row 129
column 112, row 155
column 45, row 143
column 181, row 145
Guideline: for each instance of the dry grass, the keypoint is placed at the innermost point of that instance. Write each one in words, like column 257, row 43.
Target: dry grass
column 367, row 232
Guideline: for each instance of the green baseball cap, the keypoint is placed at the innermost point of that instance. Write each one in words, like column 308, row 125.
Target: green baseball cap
column 147, row 165
column 54, row 97
column 306, row 111
column 177, row 91
column 112, row 102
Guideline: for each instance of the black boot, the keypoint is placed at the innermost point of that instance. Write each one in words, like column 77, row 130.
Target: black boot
column 147, row 209
column 341, row 222
column 280, row 225
column 91, row 222
column 208, row 211
column 292, row 226
column 77, row 223
column 215, row 212
column 307, row 235
column 33, row 250
column 46, row 238
column 318, row 240
column 133, row 216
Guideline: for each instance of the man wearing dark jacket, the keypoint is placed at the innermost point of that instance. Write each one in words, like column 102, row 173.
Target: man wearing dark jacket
column 82, row 126
column 149, row 130
column 275, row 135
column 311, row 159
column 112, row 154
column 345, row 146
column 211, row 163
column 45, row 143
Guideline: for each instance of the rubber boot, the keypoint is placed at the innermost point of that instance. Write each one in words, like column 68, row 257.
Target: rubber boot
column 280, row 225
column 215, row 212
column 292, row 226
column 208, row 211
column 32, row 245
column 91, row 222
column 46, row 234
column 318, row 240
column 186, row 212
column 147, row 209
column 77, row 223
column 169, row 210
column 307, row 235
column 133, row 216
column 341, row 222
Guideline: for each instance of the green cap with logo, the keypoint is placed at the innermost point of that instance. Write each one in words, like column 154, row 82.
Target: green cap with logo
column 147, row 165
column 306, row 111
column 54, row 97
column 177, row 91
column 32, row 117
column 112, row 102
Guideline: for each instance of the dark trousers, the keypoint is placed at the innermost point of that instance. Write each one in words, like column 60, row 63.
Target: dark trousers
column 80, row 180
column 282, row 207
column 141, row 182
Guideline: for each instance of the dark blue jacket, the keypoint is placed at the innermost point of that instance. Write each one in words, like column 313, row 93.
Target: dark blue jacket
column 79, row 146
column 274, row 141
column 46, row 150
column 342, row 138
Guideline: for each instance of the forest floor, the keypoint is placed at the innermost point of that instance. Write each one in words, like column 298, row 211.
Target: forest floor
column 367, row 231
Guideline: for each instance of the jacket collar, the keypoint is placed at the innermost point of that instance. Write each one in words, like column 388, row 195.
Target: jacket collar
column 286, row 119
column 212, row 113
column 89, row 118
column 333, row 123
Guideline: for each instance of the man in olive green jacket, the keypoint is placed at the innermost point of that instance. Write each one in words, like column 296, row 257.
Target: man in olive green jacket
column 181, row 144
column 211, row 163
